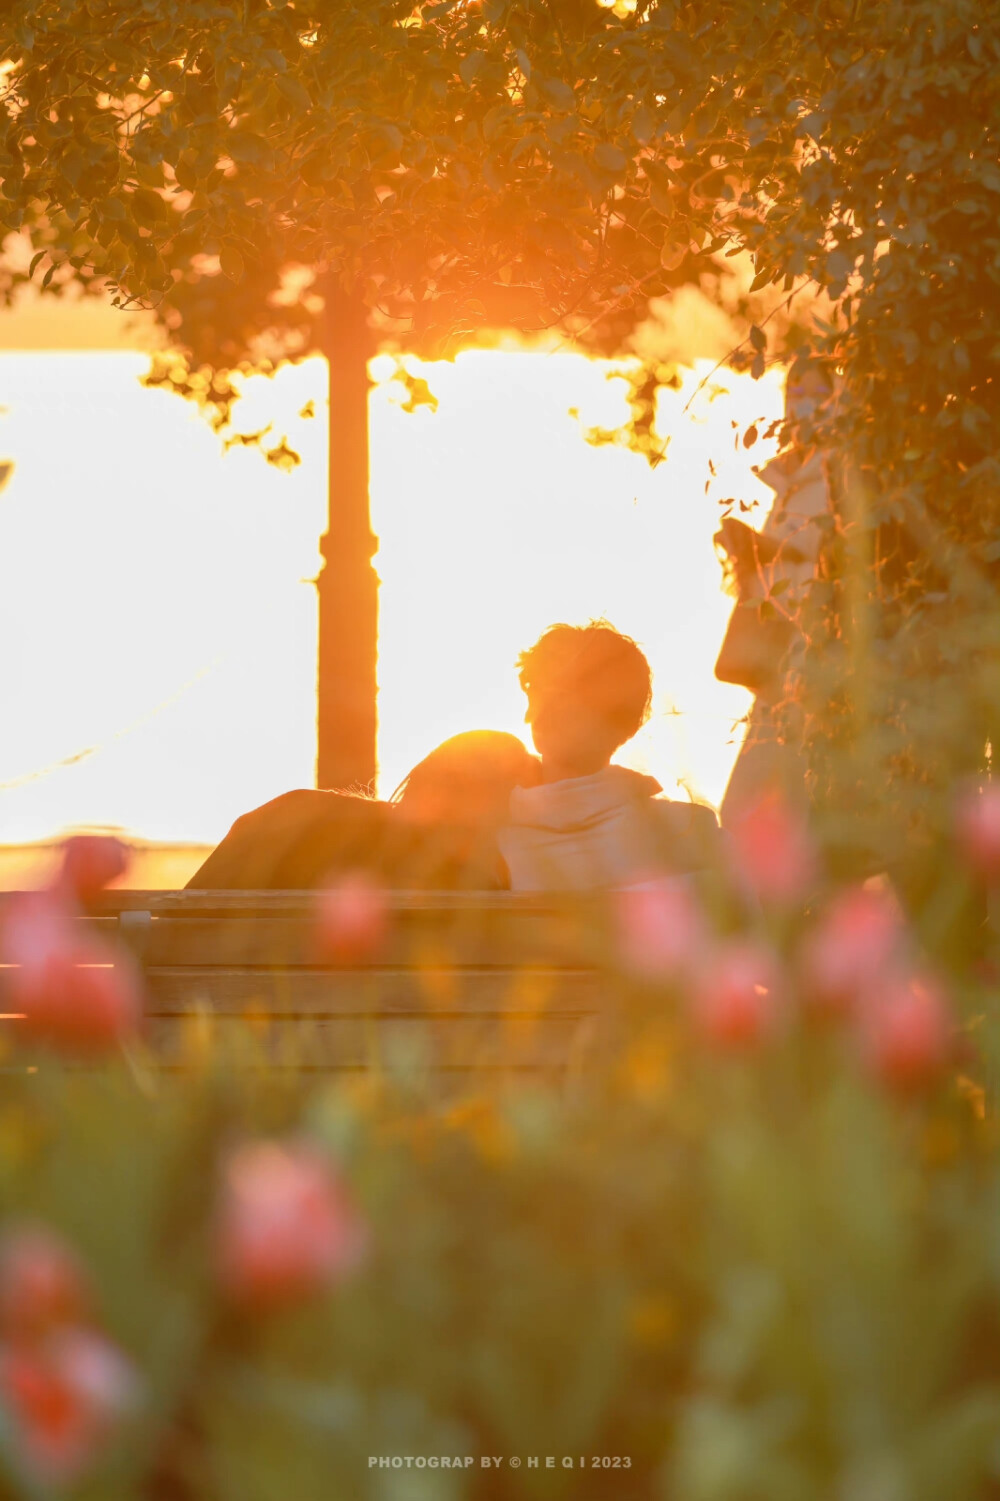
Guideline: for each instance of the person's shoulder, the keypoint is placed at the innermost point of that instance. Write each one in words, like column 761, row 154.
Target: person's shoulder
column 688, row 834
column 284, row 801
column 311, row 802
column 686, row 817
column 285, row 840
column 315, row 797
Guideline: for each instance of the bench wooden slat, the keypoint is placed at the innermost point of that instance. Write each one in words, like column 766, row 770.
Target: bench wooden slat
column 174, row 991
column 465, row 983
column 454, row 1042
column 424, row 940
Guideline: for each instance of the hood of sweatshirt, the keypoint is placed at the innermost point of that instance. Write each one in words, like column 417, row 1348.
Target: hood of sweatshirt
column 582, row 803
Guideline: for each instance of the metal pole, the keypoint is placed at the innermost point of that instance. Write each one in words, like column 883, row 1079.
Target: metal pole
column 347, row 582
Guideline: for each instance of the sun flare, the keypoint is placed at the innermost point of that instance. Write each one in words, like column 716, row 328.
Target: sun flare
column 158, row 612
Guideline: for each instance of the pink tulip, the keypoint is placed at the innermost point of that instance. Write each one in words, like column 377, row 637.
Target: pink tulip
column 71, row 989
column 737, row 1001
column 352, row 919
column 773, row 853
column 905, row 1032
column 90, row 863
column 287, row 1227
column 854, row 940
column 62, row 1400
column 977, row 828
column 36, row 923
column 42, row 1284
column 661, row 929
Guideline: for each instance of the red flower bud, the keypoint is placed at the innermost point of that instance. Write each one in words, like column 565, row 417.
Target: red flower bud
column 977, row 828
column 62, row 1400
column 661, row 929
column 853, row 941
column 286, row 1228
column 737, row 997
column 906, row 1032
column 42, row 1285
column 72, row 990
column 352, row 919
column 773, row 853
column 90, row 863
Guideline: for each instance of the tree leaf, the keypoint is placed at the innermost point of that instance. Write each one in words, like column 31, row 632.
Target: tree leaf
column 294, row 90
column 470, row 67
column 39, row 254
column 147, row 208
column 186, row 171
column 643, row 125
column 231, row 263
column 559, row 93
column 611, row 158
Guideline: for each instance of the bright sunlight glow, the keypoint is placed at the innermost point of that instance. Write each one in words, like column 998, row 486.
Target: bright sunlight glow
column 157, row 620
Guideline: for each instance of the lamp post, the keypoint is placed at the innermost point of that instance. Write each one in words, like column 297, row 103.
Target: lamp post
column 347, row 583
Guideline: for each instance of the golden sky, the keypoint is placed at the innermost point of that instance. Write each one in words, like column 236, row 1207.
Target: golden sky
column 157, row 626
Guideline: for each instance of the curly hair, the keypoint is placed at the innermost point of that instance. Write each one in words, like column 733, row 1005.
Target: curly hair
column 592, row 665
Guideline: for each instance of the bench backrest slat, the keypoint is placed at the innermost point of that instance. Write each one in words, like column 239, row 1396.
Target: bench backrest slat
column 464, row 981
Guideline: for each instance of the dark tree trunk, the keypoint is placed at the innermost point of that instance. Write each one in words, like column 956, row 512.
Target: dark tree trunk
column 347, row 582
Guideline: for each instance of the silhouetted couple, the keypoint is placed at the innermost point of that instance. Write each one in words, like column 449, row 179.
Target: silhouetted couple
column 480, row 812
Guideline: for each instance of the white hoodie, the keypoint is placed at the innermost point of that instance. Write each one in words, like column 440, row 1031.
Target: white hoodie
column 606, row 830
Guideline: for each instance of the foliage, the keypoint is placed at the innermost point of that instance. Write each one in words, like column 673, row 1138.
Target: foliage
column 755, row 1280
column 752, row 1251
column 747, row 1286
column 548, row 163
column 436, row 155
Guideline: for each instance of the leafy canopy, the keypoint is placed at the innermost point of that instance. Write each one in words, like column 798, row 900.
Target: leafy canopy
column 557, row 163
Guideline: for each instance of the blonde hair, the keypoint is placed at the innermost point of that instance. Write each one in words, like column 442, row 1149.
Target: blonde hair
column 466, row 773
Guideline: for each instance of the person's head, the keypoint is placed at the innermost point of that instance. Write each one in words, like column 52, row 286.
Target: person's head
column 589, row 690
column 467, row 780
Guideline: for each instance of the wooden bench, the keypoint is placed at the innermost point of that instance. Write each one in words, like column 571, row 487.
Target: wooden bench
column 465, row 981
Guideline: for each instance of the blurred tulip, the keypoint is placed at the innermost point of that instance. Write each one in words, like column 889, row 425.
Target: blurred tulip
column 736, row 1000
column 62, row 1399
column 42, row 1284
column 287, row 1227
column 977, row 829
column 90, row 863
column 352, row 919
column 905, row 1032
column 35, row 922
column 661, row 929
column 855, row 938
column 72, row 990
column 773, row 853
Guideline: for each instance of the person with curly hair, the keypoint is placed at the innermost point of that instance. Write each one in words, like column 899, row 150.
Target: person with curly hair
column 590, row 823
